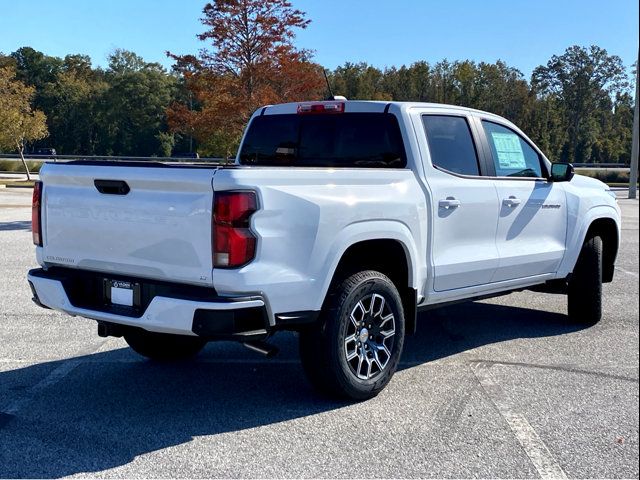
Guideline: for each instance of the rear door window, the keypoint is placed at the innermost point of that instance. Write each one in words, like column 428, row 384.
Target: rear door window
column 512, row 155
column 332, row 140
column 450, row 144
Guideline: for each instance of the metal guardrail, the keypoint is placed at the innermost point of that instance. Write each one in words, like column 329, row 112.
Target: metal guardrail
column 601, row 165
column 65, row 158
column 624, row 169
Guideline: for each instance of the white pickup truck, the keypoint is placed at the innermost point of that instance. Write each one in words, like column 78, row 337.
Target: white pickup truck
column 339, row 220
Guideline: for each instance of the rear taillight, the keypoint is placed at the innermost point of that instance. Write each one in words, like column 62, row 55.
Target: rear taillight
column 234, row 244
column 36, row 214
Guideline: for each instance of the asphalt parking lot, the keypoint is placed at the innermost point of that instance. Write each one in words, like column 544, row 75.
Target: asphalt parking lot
column 500, row 388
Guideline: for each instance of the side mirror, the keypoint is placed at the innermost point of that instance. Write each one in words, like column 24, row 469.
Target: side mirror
column 562, row 172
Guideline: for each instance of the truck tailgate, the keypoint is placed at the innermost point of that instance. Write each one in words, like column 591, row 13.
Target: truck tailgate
column 160, row 229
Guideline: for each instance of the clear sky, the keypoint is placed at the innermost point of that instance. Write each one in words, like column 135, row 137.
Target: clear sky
column 524, row 33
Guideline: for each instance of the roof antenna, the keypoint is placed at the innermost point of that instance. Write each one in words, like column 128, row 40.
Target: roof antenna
column 326, row 79
column 331, row 95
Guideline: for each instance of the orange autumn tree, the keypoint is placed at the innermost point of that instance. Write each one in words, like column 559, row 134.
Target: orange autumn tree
column 250, row 61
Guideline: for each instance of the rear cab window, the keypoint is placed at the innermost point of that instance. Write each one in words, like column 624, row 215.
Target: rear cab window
column 356, row 140
column 451, row 145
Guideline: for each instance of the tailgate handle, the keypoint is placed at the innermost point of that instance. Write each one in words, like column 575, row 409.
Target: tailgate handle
column 112, row 187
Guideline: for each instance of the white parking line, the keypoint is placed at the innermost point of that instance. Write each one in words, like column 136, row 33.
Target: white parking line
column 633, row 274
column 54, row 377
column 534, row 447
column 58, row 373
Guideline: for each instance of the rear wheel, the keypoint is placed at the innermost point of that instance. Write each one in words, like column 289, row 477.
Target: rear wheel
column 163, row 346
column 585, row 286
column 354, row 349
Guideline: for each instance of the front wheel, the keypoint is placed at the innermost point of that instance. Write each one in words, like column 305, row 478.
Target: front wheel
column 354, row 349
column 163, row 346
column 585, row 286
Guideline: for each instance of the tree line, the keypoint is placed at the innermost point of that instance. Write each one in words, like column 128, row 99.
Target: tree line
column 577, row 106
column 119, row 110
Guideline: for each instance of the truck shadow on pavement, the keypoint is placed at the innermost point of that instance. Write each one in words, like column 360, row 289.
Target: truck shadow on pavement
column 115, row 406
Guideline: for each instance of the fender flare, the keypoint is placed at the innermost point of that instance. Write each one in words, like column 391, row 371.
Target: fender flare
column 373, row 230
column 574, row 244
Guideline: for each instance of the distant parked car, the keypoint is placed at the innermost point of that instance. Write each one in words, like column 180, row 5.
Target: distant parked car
column 186, row 155
column 48, row 151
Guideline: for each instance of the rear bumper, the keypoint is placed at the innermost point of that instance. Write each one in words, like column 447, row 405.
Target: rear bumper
column 201, row 312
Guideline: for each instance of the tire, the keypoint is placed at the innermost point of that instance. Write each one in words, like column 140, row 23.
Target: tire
column 333, row 360
column 163, row 346
column 585, row 286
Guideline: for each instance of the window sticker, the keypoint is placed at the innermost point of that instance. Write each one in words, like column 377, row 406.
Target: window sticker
column 509, row 149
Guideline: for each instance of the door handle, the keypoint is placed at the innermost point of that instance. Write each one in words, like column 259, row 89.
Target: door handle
column 511, row 202
column 450, row 202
